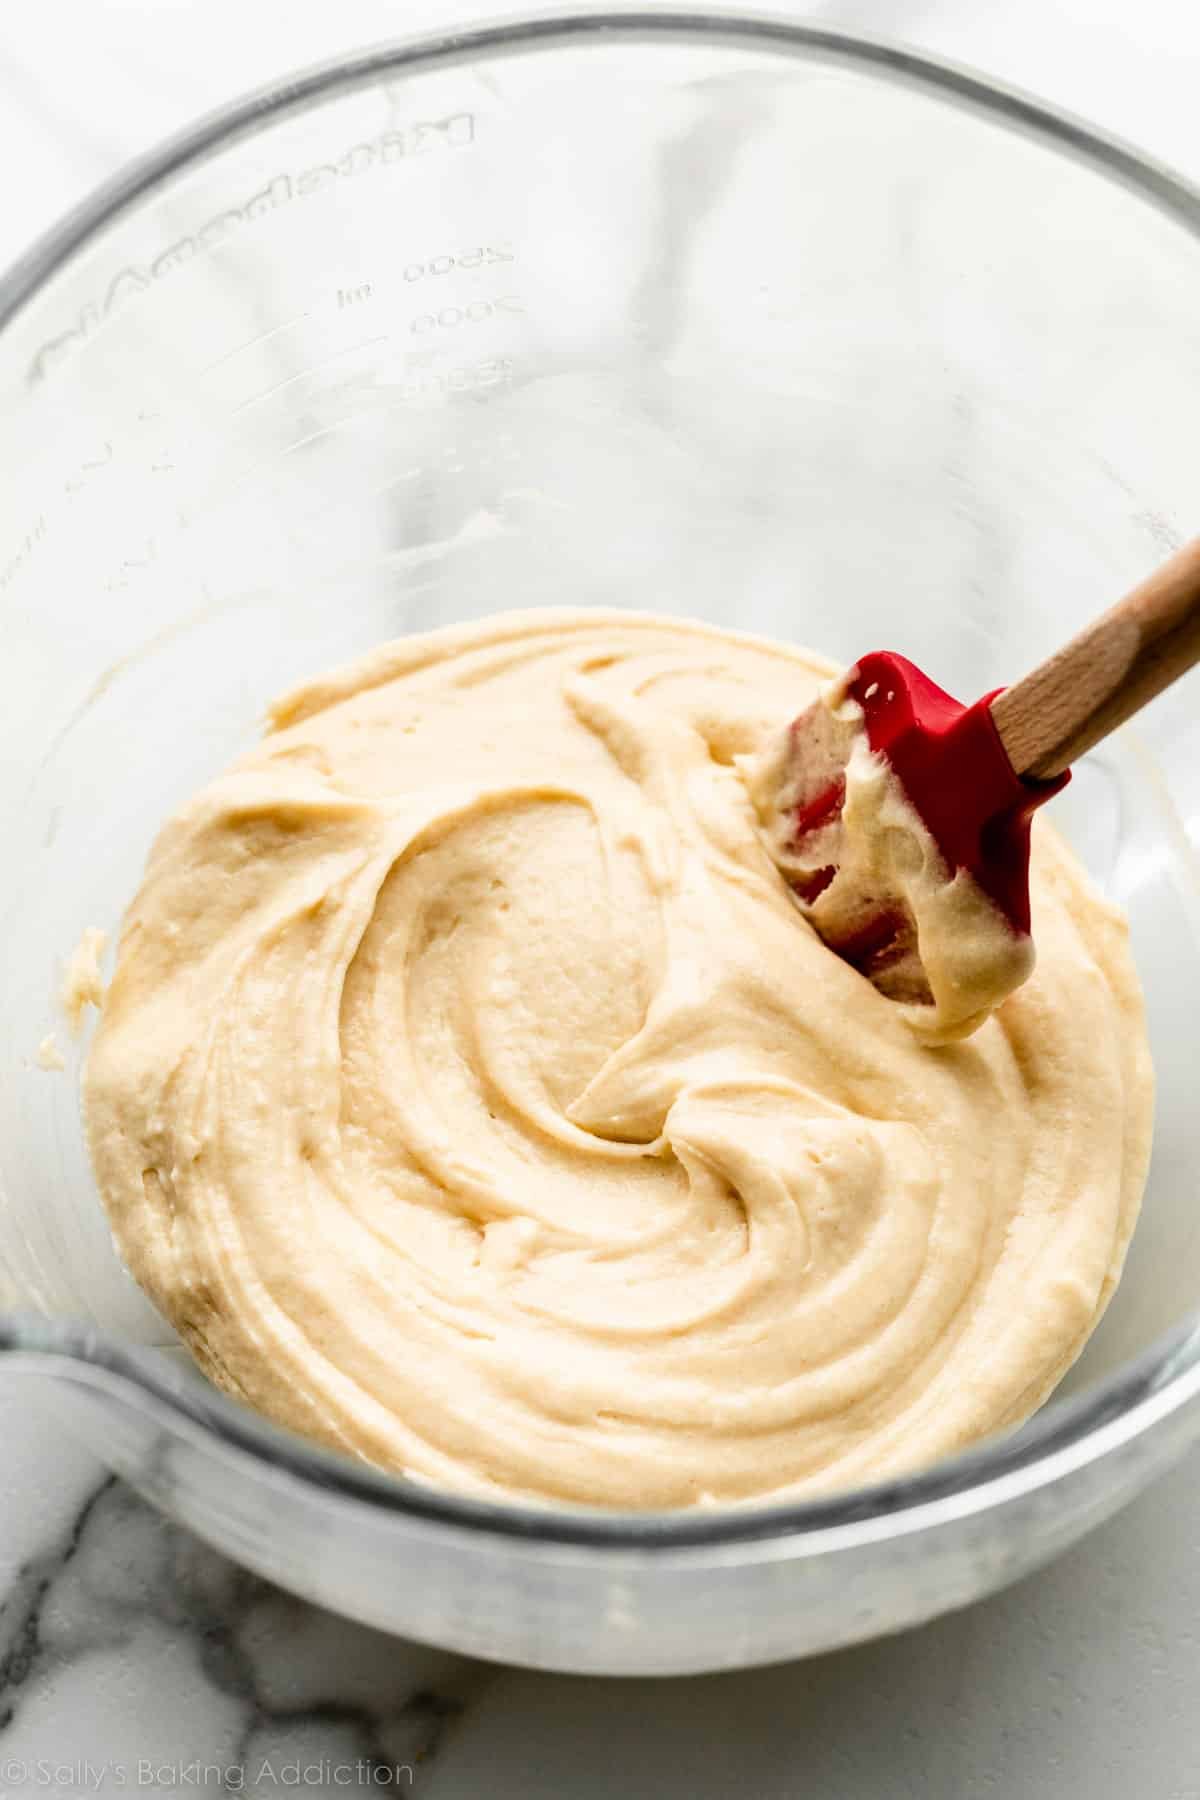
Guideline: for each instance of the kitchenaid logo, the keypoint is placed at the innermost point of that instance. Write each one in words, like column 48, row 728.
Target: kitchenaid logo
column 452, row 133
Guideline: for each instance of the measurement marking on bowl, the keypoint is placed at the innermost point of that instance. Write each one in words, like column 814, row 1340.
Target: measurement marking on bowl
column 484, row 256
column 461, row 378
column 310, row 437
column 311, row 369
column 249, row 344
column 473, row 313
column 246, row 471
column 457, row 378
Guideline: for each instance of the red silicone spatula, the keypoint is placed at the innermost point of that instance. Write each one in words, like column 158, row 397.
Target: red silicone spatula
column 972, row 775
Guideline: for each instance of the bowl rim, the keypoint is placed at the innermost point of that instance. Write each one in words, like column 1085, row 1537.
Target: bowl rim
column 1161, row 1381
column 1149, row 177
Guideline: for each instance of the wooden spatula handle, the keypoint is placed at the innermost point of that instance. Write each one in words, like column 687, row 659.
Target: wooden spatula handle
column 1103, row 676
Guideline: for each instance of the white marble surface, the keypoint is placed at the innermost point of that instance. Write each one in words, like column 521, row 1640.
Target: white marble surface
column 131, row 1657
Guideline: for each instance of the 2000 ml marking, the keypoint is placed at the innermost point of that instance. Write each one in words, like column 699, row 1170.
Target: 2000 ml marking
column 455, row 132
column 448, row 318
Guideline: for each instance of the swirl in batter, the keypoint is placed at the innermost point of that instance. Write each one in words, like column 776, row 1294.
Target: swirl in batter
column 472, row 1098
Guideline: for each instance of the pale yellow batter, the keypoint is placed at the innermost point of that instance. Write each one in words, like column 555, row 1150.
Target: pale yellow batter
column 472, row 1097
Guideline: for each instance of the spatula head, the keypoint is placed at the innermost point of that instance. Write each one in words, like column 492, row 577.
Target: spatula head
column 899, row 823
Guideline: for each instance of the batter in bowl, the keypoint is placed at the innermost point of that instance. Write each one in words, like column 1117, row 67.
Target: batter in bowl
column 472, row 1098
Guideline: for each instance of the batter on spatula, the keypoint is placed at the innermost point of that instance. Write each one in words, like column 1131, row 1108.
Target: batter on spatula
column 873, row 880
column 901, row 817
column 473, row 1097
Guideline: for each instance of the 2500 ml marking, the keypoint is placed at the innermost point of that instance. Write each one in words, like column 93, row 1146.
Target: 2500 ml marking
column 486, row 256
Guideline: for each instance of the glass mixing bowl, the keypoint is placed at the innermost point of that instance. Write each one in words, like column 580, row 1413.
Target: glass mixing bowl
column 720, row 317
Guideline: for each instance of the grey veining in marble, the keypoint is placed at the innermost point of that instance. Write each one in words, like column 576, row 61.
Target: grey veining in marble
column 228, row 1674
column 133, row 1657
